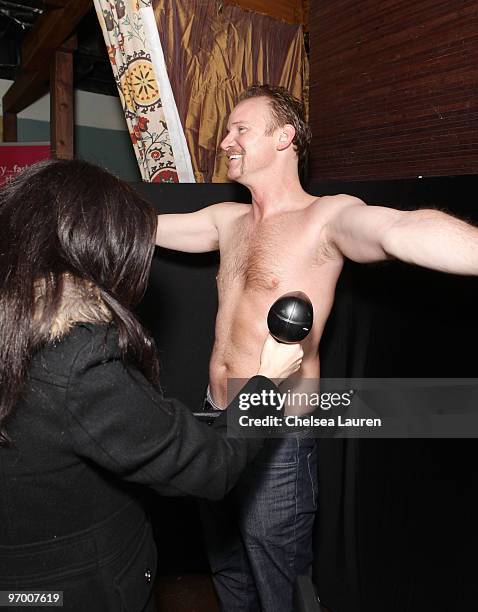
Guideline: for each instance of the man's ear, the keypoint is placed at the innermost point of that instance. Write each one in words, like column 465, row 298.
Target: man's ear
column 286, row 136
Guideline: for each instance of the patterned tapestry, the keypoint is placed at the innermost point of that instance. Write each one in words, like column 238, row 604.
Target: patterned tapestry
column 144, row 90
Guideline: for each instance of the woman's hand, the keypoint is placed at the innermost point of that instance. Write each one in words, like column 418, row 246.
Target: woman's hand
column 279, row 360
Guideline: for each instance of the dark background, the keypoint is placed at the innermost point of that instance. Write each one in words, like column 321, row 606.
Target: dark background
column 395, row 529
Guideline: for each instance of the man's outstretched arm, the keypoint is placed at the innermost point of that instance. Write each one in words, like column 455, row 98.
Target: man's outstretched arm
column 428, row 238
column 195, row 232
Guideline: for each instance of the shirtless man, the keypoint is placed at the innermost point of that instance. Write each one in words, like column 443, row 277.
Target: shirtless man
column 287, row 240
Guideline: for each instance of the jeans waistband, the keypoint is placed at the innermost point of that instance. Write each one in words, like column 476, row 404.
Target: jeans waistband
column 278, row 432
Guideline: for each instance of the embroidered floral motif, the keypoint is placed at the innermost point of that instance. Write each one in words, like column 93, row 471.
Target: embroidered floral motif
column 138, row 88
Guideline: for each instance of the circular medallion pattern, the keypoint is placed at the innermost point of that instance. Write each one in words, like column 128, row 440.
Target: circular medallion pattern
column 139, row 85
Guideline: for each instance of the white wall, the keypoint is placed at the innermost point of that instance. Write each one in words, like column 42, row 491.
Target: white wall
column 101, row 135
column 91, row 110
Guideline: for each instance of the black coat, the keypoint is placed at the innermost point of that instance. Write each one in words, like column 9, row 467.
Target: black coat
column 87, row 432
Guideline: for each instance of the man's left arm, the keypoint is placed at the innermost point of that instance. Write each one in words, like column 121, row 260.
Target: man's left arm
column 426, row 237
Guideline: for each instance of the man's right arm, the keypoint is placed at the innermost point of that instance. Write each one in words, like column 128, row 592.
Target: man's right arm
column 195, row 232
column 423, row 237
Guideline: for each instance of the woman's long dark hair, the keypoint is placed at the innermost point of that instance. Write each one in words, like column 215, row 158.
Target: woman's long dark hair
column 69, row 219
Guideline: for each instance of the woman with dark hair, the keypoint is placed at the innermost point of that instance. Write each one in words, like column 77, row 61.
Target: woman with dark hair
column 82, row 419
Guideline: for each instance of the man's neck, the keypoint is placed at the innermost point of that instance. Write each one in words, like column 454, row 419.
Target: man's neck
column 281, row 195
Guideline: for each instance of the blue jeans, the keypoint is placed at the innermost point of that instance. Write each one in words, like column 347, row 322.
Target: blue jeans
column 259, row 538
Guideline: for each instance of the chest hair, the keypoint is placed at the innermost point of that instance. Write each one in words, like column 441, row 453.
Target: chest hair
column 259, row 254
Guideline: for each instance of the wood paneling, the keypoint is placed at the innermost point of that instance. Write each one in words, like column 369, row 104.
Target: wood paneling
column 393, row 88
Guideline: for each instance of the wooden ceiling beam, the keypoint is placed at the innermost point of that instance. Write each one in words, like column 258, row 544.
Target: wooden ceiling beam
column 49, row 33
column 55, row 3
column 9, row 127
column 27, row 88
column 62, row 104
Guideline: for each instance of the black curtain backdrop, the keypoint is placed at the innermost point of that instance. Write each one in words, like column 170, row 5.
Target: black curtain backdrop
column 395, row 529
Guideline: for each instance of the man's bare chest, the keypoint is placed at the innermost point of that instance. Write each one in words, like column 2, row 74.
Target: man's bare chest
column 267, row 255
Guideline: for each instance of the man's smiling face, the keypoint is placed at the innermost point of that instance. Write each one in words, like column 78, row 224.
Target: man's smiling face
column 249, row 146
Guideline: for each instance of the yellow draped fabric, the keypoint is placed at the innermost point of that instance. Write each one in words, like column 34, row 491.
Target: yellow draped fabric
column 212, row 53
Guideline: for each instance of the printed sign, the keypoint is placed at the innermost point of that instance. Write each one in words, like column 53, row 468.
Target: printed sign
column 14, row 156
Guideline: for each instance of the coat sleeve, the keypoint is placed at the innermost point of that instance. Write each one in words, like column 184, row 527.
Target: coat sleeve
column 118, row 420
